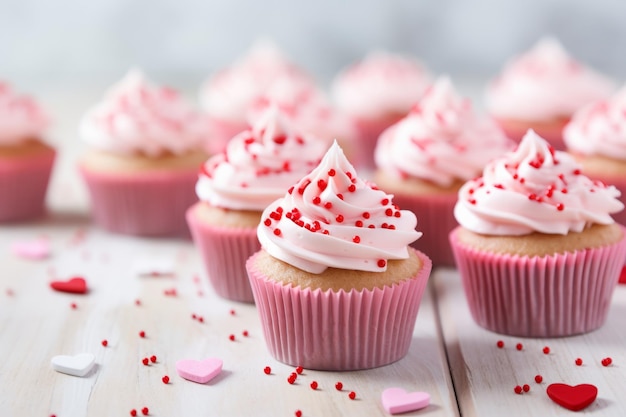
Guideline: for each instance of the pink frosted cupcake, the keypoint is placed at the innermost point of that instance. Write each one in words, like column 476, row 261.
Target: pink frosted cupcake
column 537, row 250
column 336, row 285
column 377, row 92
column 25, row 159
column 146, row 149
column 228, row 96
column 425, row 158
column 259, row 165
column 541, row 90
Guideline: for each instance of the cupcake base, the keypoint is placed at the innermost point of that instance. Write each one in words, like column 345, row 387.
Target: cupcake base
column 549, row 296
column 338, row 330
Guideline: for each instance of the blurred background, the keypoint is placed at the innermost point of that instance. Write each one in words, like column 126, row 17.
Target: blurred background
column 174, row 41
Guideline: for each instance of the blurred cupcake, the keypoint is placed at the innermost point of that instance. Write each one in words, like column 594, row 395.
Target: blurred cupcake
column 25, row 159
column 336, row 285
column 596, row 137
column 228, row 96
column 537, row 250
column 259, row 165
column 377, row 92
column 145, row 152
column 542, row 89
column 425, row 158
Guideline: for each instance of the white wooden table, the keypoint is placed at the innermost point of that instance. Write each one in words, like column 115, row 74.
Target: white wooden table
column 450, row 357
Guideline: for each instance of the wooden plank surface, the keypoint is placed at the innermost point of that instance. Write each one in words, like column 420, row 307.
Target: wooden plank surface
column 485, row 376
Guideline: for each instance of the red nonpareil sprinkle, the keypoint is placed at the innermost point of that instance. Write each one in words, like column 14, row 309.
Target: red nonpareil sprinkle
column 145, row 411
column 338, row 386
column 277, row 232
column 560, row 207
column 267, row 370
column 578, row 362
column 349, row 174
column 576, row 171
column 356, row 239
column 340, row 196
column 546, row 350
column 142, row 334
column 526, row 387
column 291, row 379
column 397, row 214
column 471, row 201
column 352, row 188
column 381, row 263
column 389, row 212
column 322, row 184
column 384, row 201
column 290, row 190
column 352, row 395
column 564, row 190
column 339, row 218
column 519, row 346
column 201, row 319
column 133, row 412
column 74, row 306
column 153, row 359
column 299, row 370
column 145, row 361
column 331, row 172
column 193, row 316
column 328, row 205
column 317, row 200
column 275, row 216
column 298, row 413
column 366, row 215
column 358, row 223
column 165, row 379
column 371, row 226
column 231, row 337
column 500, row 344
column 232, row 312
column 137, row 302
column 538, row 379
column 532, row 196
column 314, row 385
column 105, row 343
column 607, row 360
column 279, row 140
column 518, row 389
column 245, row 333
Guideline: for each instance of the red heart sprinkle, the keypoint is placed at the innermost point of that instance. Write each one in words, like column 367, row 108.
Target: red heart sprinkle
column 76, row 285
column 573, row 398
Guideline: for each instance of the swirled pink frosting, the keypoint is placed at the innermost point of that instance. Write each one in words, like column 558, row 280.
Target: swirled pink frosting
column 332, row 218
column 442, row 140
column 379, row 85
column 534, row 189
column 259, row 165
column 230, row 93
column 139, row 117
column 21, row 118
column 599, row 128
column 543, row 84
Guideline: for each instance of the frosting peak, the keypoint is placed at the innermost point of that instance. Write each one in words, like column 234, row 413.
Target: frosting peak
column 259, row 164
column 599, row 128
column 332, row 218
column 21, row 118
column 441, row 140
column 543, row 84
column 534, row 189
column 137, row 116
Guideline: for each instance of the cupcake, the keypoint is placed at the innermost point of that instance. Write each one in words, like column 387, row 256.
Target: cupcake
column 542, row 89
column 146, row 147
column 377, row 92
column 228, row 96
column 537, row 249
column 336, row 285
column 425, row 158
column 26, row 159
column 234, row 187
column 596, row 136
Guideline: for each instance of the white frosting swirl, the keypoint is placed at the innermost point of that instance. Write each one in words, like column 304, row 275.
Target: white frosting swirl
column 534, row 189
column 331, row 218
column 441, row 140
column 543, row 84
column 382, row 83
column 139, row 117
column 230, row 93
column 599, row 128
column 259, row 165
column 21, row 118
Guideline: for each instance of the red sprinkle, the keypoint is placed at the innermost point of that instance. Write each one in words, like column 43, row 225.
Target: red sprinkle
column 538, row 379
column 382, row 263
column 328, row 205
column 142, row 334
column 352, row 188
column 267, row 370
column 384, row 201
column 74, row 306
column 358, row 223
column 314, row 385
column 339, row 218
column 166, row 379
column 232, row 337
column 560, row 207
column 145, row 411
column 298, row 413
column 245, row 333
column 133, row 412
column 500, row 344
column 356, row 239
column 277, row 232
column 519, row 346
column 607, row 361
column 517, row 389
column 322, row 184
column 578, row 362
column 352, row 395
column 104, row 343
column 232, row 312
column 137, row 302
column 331, row 172
column 338, row 386
column 366, row 215
column 317, row 200
column 153, row 359
column 299, row 370
column 526, row 387
column 291, row 379
column 145, row 361
column 546, row 350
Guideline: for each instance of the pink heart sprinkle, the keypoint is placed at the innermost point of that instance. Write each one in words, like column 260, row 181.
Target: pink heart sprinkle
column 33, row 249
column 199, row 371
column 397, row 400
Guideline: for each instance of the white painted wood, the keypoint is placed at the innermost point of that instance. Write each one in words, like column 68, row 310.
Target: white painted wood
column 485, row 376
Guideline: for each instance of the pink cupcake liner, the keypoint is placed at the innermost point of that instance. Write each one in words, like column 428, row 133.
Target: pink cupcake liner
column 143, row 204
column 551, row 296
column 224, row 252
column 435, row 219
column 338, row 331
column 553, row 134
column 23, row 185
column 367, row 133
column 222, row 131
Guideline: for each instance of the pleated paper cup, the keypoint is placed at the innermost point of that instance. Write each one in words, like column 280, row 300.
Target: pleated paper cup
column 367, row 133
column 142, row 203
column 338, row 330
column 23, row 186
column 224, row 252
column 222, row 131
column 550, row 296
